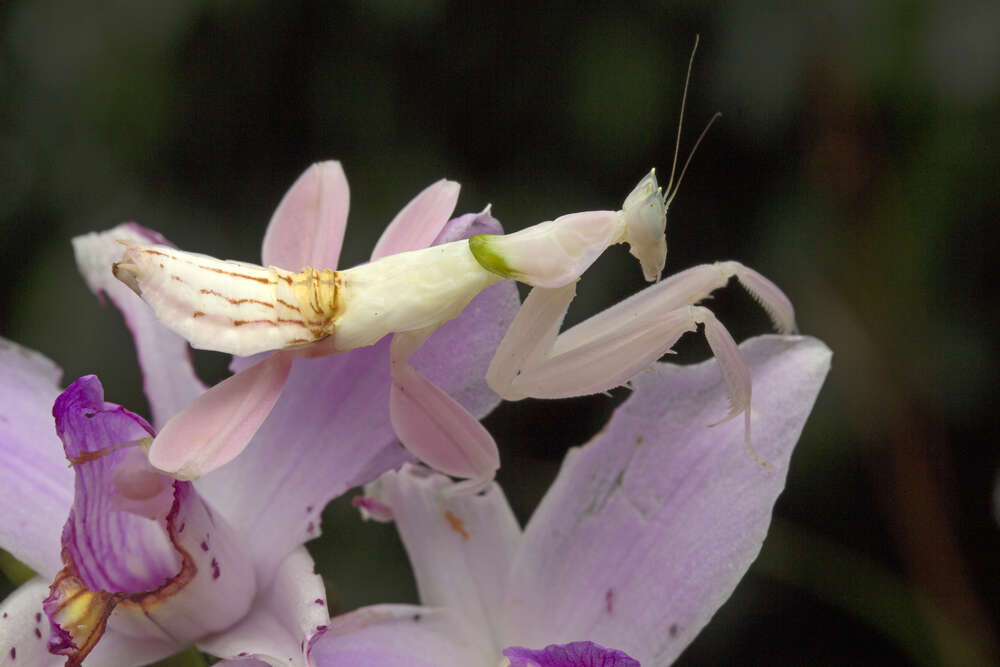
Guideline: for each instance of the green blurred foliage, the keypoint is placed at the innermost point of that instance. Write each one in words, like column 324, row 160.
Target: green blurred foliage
column 855, row 164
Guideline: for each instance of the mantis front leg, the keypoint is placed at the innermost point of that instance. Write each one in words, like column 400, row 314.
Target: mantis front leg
column 607, row 350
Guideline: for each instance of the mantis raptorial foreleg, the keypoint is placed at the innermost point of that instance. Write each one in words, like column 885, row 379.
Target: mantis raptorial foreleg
column 607, row 350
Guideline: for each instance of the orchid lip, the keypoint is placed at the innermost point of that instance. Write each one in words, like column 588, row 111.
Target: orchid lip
column 142, row 553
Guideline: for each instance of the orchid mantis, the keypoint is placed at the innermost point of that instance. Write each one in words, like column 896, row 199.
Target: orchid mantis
column 407, row 291
column 244, row 309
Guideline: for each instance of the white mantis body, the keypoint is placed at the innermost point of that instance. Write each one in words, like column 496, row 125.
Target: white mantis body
column 245, row 309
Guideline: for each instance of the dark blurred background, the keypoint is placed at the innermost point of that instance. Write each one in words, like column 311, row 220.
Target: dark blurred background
column 855, row 164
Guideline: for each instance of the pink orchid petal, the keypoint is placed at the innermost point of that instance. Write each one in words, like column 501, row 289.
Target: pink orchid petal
column 283, row 620
column 183, row 573
column 36, row 485
column 168, row 376
column 307, row 228
column 394, row 636
column 438, row 430
column 648, row 528
column 122, row 650
column 420, row 221
column 24, row 629
column 217, row 426
column 461, row 548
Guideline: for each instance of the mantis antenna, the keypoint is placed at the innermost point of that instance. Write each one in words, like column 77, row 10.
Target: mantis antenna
column 672, row 188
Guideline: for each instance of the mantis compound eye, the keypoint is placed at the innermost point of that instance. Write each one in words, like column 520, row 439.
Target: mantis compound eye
column 645, row 215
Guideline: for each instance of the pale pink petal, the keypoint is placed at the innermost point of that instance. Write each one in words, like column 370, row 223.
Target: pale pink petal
column 168, row 376
column 420, row 221
column 307, row 228
column 460, row 548
column 328, row 432
column 283, row 620
column 117, row 649
column 217, row 426
column 395, row 636
column 36, row 485
column 438, row 430
column 24, row 629
column 648, row 528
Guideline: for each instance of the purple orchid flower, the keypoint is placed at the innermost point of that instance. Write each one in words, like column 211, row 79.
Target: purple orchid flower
column 644, row 534
column 143, row 566
column 148, row 564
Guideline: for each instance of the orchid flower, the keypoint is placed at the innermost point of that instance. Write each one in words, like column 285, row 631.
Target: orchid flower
column 329, row 432
column 644, row 534
column 144, row 565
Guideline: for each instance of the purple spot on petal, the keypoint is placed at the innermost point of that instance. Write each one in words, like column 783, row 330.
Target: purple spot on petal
column 609, row 600
column 241, row 654
column 574, row 654
column 673, row 630
column 215, row 569
column 320, row 628
column 181, row 529
column 5, row 614
column 38, row 617
column 310, row 528
column 204, row 546
column 309, row 509
column 13, row 653
column 319, row 601
column 38, row 633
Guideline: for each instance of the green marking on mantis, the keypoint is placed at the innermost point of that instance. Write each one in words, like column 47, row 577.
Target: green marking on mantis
column 488, row 256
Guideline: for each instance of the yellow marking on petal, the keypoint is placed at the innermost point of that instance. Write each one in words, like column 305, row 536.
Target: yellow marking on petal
column 456, row 524
column 81, row 613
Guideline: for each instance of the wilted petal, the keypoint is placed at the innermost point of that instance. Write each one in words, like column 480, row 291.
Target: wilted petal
column 168, row 376
column 36, row 486
column 460, row 548
column 647, row 530
column 330, row 430
column 217, row 426
column 394, row 636
column 307, row 228
column 283, row 620
column 154, row 566
column 420, row 222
